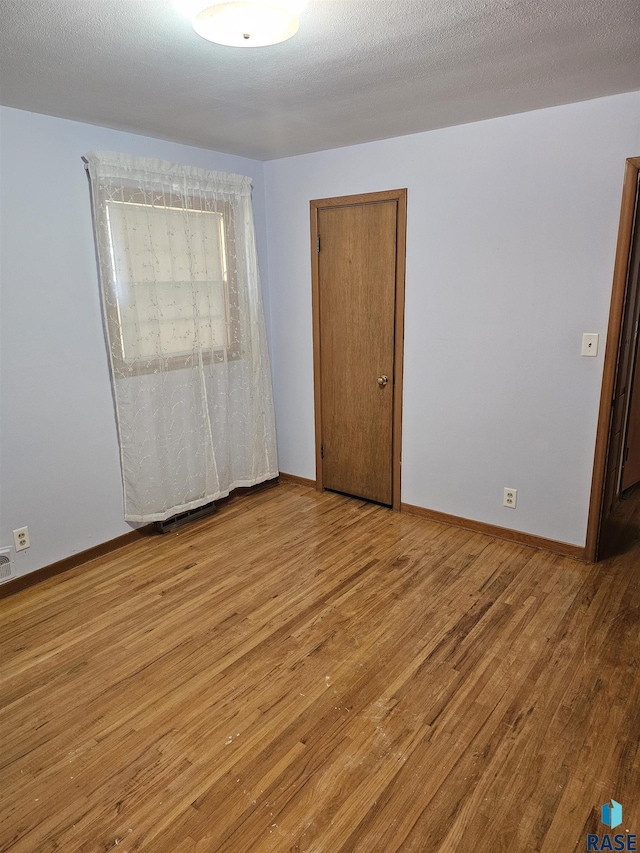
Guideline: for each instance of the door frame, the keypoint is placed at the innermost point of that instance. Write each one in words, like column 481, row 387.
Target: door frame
column 400, row 197
column 603, row 459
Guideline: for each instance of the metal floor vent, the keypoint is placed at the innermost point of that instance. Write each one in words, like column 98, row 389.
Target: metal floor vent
column 6, row 565
column 183, row 518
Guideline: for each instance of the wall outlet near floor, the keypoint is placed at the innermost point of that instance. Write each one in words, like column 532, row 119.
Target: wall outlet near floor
column 21, row 538
column 510, row 498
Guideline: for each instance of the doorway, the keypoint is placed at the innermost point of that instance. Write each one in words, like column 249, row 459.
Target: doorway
column 617, row 455
column 358, row 275
column 630, row 463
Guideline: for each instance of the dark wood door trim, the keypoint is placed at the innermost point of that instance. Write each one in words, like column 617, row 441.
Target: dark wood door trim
column 400, row 197
column 602, row 461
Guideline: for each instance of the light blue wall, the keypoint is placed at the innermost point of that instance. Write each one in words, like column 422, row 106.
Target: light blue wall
column 512, row 226
column 59, row 462
column 511, row 237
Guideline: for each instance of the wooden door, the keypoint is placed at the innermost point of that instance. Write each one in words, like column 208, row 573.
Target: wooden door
column 624, row 414
column 358, row 368
column 616, row 379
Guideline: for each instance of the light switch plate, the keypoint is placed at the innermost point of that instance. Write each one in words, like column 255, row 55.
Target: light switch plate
column 590, row 343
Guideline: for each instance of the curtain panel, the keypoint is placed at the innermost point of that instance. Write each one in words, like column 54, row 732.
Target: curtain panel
column 185, row 332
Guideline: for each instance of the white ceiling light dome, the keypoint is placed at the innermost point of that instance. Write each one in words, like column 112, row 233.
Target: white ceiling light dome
column 243, row 23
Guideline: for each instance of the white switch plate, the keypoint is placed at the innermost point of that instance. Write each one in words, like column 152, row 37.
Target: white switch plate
column 590, row 343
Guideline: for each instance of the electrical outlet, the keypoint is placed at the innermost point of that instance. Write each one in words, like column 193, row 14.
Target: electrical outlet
column 21, row 538
column 510, row 498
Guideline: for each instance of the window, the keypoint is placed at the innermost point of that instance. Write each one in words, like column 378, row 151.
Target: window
column 174, row 294
column 185, row 332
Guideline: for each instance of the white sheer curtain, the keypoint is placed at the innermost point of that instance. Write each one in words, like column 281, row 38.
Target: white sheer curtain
column 185, row 332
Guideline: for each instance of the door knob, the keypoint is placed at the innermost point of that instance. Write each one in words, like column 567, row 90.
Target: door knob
column 383, row 380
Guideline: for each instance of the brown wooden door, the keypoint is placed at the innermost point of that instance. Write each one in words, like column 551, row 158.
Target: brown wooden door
column 616, row 404
column 356, row 296
column 616, row 378
column 624, row 432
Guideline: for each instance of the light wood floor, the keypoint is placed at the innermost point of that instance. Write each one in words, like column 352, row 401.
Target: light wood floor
column 306, row 672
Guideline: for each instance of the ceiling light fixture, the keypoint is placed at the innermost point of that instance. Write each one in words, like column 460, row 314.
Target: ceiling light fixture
column 243, row 23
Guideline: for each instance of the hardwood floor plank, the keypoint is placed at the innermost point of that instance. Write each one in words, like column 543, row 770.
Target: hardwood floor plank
column 309, row 672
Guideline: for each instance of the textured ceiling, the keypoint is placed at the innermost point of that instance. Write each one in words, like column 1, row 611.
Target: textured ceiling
column 357, row 70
